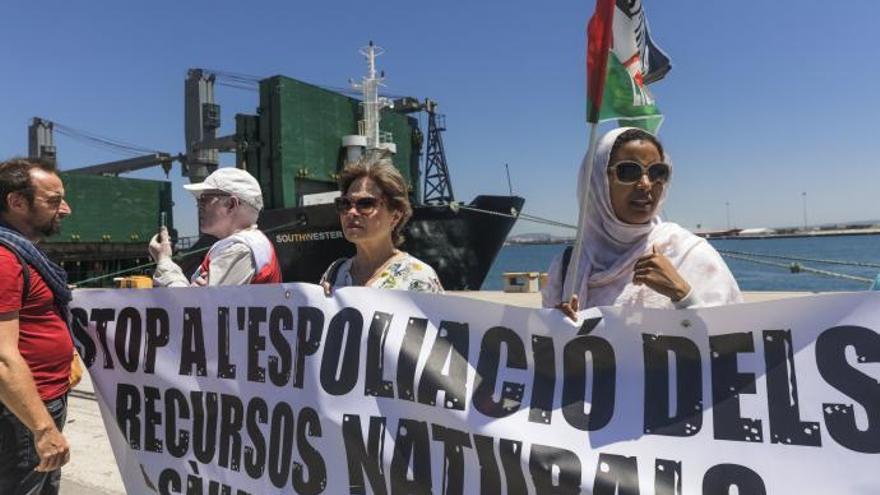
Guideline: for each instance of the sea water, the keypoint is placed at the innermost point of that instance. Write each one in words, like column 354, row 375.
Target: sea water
column 751, row 276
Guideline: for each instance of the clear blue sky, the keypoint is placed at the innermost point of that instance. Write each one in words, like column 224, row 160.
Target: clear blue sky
column 766, row 100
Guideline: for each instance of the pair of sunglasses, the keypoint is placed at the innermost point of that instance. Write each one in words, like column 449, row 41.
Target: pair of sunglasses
column 628, row 172
column 363, row 206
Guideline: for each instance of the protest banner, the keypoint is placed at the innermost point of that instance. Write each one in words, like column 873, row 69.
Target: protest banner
column 280, row 389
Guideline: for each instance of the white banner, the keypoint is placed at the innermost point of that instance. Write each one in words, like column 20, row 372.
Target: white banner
column 279, row 389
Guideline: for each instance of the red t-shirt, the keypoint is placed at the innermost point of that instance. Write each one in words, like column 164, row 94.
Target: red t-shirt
column 43, row 339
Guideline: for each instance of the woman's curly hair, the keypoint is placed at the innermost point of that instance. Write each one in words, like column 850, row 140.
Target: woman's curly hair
column 388, row 179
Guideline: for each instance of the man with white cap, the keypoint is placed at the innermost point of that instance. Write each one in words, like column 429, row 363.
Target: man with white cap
column 229, row 202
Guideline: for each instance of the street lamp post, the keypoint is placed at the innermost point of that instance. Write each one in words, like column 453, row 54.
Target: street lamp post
column 727, row 206
column 804, row 196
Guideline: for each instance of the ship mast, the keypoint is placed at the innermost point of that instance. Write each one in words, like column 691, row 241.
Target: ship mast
column 373, row 103
column 438, row 187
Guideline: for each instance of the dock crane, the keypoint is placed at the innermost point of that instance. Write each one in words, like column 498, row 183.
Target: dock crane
column 201, row 121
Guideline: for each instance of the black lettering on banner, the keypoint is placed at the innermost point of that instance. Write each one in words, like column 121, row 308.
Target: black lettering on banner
column 510, row 452
column 255, row 455
column 786, row 426
column 309, row 331
column 511, row 462
column 128, row 411
column 616, row 474
column 101, row 317
column 256, row 343
column 375, row 384
column 364, row 457
column 488, row 371
column 192, row 349
column 721, row 478
column 542, row 461
column 204, row 425
column 79, row 325
column 490, row 477
column 281, row 434
column 452, row 345
column 412, row 449
column 831, row 360
column 574, row 381
column 544, row 380
column 128, row 338
column 195, row 485
column 688, row 418
column 157, row 334
column 225, row 367
column 152, row 420
column 667, row 477
column 169, row 482
column 454, row 443
column 343, row 335
column 408, row 356
column 309, row 425
column 176, row 406
column 282, row 431
column 241, row 318
column 231, row 421
column 727, row 384
column 281, row 364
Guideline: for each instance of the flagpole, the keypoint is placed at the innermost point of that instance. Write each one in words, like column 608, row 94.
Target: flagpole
column 599, row 37
column 570, row 287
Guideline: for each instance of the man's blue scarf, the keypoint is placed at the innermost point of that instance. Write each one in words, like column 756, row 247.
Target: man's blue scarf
column 54, row 275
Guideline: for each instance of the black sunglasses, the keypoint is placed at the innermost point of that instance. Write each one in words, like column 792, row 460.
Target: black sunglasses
column 364, row 206
column 628, row 172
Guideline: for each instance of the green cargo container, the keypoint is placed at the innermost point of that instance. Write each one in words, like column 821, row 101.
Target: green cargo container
column 113, row 209
column 112, row 221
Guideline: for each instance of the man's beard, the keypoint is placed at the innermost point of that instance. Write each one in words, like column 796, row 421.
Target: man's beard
column 51, row 227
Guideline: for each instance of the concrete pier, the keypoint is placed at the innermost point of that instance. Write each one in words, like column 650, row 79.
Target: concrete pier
column 92, row 467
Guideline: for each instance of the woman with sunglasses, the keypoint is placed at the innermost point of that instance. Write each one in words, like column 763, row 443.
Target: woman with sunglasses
column 373, row 209
column 629, row 256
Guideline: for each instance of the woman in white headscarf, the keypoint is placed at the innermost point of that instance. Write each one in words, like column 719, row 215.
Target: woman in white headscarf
column 629, row 256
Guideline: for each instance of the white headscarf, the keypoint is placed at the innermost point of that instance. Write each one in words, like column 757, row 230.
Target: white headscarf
column 610, row 248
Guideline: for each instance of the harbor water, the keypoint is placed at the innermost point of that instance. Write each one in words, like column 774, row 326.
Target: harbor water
column 751, row 276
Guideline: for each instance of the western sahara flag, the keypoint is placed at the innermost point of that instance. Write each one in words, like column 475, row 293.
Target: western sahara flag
column 622, row 60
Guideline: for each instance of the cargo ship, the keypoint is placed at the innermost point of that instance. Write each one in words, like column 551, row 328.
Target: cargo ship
column 295, row 145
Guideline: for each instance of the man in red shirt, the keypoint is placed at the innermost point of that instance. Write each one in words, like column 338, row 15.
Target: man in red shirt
column 35, row 343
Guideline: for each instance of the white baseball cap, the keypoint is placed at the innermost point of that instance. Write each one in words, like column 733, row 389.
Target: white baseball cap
column 234, row 181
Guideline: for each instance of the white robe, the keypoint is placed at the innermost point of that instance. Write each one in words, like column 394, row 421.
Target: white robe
column 697, row 262
column 610, row 249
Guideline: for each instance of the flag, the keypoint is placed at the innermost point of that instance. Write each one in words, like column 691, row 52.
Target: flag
column 622, row 60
